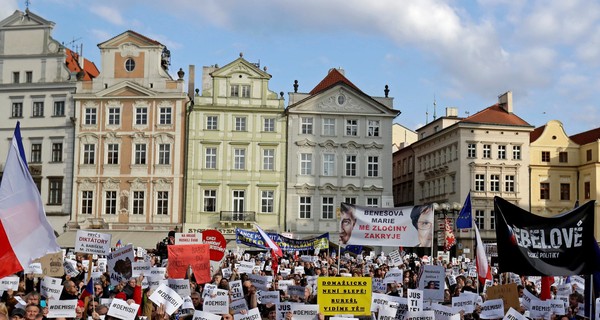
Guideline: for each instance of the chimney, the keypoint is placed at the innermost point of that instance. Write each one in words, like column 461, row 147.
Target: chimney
column 207, row 81
column 191, row 80
column 506, row 102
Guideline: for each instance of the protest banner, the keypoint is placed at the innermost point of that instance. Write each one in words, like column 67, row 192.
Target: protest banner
column 120, row 264
column 187, row 238
column 61, row 308
column 52, row 264
column 432, row 282
column 9, row 283
column 344, row 295
column 92, row 242
column 492, row 309
column 508, row 293
column 168, row 297
column 254, row 239
column 415, row 300
column 201, row 315
column 305, row 311
column 217, row 302
column 181, row 257
column 252, row 314
column 51, row 288
column 121, row 309
column 216, row 242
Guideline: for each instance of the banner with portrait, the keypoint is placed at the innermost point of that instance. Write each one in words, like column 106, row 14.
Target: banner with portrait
column 394, row 227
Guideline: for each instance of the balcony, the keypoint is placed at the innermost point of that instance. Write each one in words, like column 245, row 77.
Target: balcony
column 237, row 217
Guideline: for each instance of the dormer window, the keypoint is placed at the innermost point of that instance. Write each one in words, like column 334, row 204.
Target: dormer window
column 129, row 65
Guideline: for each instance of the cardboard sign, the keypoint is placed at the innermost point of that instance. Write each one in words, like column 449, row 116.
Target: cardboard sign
column 61, row 308
column 168, row 297
column 344, row 295
column 122, row 310
column 52, row 264
column 51, row 288
column 92, row 242
column 183, row 256
column 201, row 315
column 508, row 293
column 120, row 264
column 492, row 309
column 187, row 238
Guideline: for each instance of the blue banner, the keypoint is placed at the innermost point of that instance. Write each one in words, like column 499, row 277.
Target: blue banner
column 253, row 239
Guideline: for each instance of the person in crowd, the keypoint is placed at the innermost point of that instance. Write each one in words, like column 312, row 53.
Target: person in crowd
column 32, row 311
column 197, row 300
column 70, row 291
column 17, row 314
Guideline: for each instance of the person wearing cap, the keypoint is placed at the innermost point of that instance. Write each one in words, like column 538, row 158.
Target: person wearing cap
column 17, row 314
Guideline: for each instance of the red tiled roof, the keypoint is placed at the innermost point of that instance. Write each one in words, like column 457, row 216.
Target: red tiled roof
column 90, row 70
column 496, row 115
column 586, row 136
column 333, row 77
column 536, row 133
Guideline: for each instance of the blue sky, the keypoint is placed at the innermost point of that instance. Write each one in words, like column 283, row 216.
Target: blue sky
column 463, row 53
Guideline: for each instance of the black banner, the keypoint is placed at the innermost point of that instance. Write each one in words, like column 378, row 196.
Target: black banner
column 532, row 245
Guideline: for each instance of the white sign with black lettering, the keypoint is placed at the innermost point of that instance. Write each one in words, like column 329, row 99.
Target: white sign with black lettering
column 8, row 283
column 420, row 315
column 187, row 303
column 415, row 300
column 282, row 309
column 51, row 288
column 393, row 275
column 92, row 242
column 539, row 309
column 260, row 282
column 235, row 290
column 465, row 302
column 238, row 306
column 305, row 311
column 245, row 267
column 157, row 272
column 265, row 297
column 140, row 268
column 201, row 315
column 513, row 314
column 217, row 302
column 492, row 309
column 252, row 314
column 34, row 268
column 61, row 308
column 181, row 286
column 395, row 258
column 167, row 296
column 122, row 310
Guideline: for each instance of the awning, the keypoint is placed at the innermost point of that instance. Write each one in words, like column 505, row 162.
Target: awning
column 138, row 238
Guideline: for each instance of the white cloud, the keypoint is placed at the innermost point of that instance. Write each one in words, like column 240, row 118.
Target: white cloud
column 8, row 7
column 112, row 15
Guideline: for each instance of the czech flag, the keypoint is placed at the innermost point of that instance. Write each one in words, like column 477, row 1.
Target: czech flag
column 88, row 290
column 270, row 243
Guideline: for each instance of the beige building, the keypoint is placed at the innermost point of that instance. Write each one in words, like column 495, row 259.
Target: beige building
column 402, row 137
column 129, row 141
column 237, row 152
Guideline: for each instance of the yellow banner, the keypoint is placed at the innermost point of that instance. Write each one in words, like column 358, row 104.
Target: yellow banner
column 344, row 295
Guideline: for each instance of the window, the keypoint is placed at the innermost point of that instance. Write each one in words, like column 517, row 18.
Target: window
column 17, row 110
column 350, row 200
column 245, row 91
column 266, row 201
column 59, row 109
column 90, row 116
column 372, row 202
column 16, row 77
column 305, row 207
column 129, row 65
column 588, row 155
column 479, row 182
column 235, row 90
column 305, row 163
column 240, row 123
column 269, row 159
column 329, row 127
column 141, row 116
column 239, row 159
column 210, row 158
column 114, row 116
column 328, row 164
column 471, row 150
column 516, row 152
column 545, row 156
column 269, row 125
column 487, row 150
column 38, row 109
column 89, row 154
column 57, row 152
column 29, row 76
column 212, row 123
column 502, row 152
column 306, row 125
column 373, row 128
column 210, row 200
column 352, row 127
column 140, row 153
column 162, row 203
column 587, row 190
column 563, row 157
column 565, row 191
column 112, row 154
column 509, row 183
column 164, row 153
column 495, row 183
column 545, row 191
column 87, row 202
column 327, row 208
column 164, row 116
column 492, row 220
column 138, row 202
column 55, row 191
column 238, row 202
column 372, row 166
column 351, row 165
column 110, row 202
column 36, row 153
column 480, row 219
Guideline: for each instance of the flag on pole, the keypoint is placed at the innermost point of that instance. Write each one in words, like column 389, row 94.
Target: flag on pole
column 25, row 233
column 270, row 243
column 88, row 290
column 484, row 270
column 465, row 217
column 118, row 244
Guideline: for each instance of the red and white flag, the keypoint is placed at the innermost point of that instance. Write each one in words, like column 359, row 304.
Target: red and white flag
column 25, row 233
column 484, row 270
column 270, row 243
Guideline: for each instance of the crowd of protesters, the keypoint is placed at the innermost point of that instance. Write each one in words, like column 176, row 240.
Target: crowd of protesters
column 27, row 303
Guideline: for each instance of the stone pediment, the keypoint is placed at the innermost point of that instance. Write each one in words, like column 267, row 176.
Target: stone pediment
column 240, row 65
column 305, row 143
column 372, row 188
column 373, row 145
column 130, row 38
column 25, row 19
column 342, row 101
column 350, row 187
column 125, row 89
column 329, row 144
column 328, row 187
column 351, row 145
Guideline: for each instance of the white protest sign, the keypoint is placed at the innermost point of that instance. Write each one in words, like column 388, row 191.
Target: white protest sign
column 102, row 262
column 597, row 308
column 492, row 309
column 282, row 309
column 92, row 242
column 226, row 272
column 299, row 270
column 252, row 314
column 393, row 275
column 527, row 299
column 61, row 308
column 558, row 306
column 154, row 283
column 443, row 312
column 245, row 267
column 238, row 306
column 51, row 288
column 34, row 268
column 7, row 283
column 120, row 264
column 187, row 303
column 201, row 315
column 465, row 302
column 260, row 282
column 513, row 314
column 140, row 268
column 378, row 285
column 420, row 315
column 415, row 300
column 265, row 297
column 188, row 238
column 70, row 267
column 181, row 286
column 540, row 309
column 235, row 290
column 157, row 272
column 305, row 311
column 387, row 313
column 217, row 302
column 208, row 290
column 432, row 282
column 395, row 258
column 122, row 310
column 296, row 291
column 168, row 297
